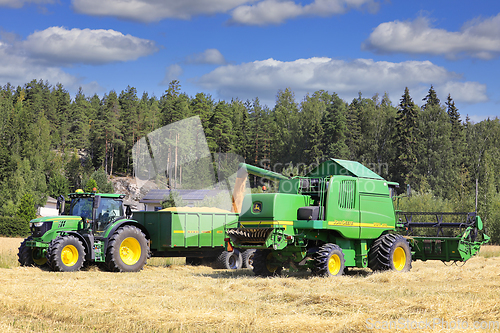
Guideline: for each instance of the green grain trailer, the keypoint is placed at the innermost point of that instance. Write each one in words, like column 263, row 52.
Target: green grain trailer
column 195, row 233
column 342, row 215
column 99, row 230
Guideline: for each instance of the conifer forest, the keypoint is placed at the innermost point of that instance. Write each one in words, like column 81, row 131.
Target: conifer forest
column 52, row 143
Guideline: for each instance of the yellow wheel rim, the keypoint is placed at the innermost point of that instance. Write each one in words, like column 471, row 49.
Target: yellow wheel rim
column 69, row 255
column 399, row 258
column 270, row 268
column 334, row 264
column 130, row 251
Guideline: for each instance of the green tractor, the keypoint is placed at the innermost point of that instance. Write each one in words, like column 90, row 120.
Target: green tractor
column 97, row 230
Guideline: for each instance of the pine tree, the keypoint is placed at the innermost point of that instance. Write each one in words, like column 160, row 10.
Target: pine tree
column 27, row 210
column 436, row 155
column 312, row 110
column 431, row 99
column 287, row 136
column 353, row 127
column 334, row 129
column 174, row 105
column 79, row 123
column 407, row 135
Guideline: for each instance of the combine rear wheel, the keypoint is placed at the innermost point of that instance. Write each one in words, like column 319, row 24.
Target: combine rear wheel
column 127, row 250
column 229, row 260
column 28, row 256
column 329, row 261
column 66, row 254
column 264, row 265
column 390, row 251
column 248, row 258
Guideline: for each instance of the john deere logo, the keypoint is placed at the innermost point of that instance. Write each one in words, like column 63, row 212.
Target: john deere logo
column 257, row 207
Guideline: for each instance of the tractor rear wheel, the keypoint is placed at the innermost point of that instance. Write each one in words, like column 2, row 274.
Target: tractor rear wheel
column 127, row 250
column 248, row 258
column 329, row 261
column 263, row 264
column 28, row 256
column 390, row 251
column 66, row 254
column 229, row 260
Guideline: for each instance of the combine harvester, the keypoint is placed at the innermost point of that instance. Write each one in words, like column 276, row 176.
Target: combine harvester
column 342, row 215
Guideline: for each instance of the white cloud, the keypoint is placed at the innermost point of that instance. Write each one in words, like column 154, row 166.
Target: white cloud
column 21, row 3
column 209, row 56
column 247, row 12
column 172, row 72
column 58, row 45
column 346, row 78
column 17, row 69
column 277, row 11
column 154, row 10
column 479, row 38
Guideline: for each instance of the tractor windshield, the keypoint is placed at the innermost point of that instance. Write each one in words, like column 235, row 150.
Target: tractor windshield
column 81, row 207
column 109, row 209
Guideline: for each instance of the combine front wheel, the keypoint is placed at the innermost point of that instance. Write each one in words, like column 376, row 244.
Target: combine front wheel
column 263, row 264
column 66, row 254
column 390, row 251
column 329, row 260
column 127, row 250
column 229, row 260
column 248, row 258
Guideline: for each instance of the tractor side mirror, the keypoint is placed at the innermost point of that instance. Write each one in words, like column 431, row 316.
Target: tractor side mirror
column 60, row 204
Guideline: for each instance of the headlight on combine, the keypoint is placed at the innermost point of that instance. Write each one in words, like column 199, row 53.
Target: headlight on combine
column 38, row 229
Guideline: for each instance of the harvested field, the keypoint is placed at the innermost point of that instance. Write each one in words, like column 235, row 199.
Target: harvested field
column 170, row 296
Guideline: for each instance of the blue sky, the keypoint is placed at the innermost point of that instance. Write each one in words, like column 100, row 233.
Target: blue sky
column 253, row 48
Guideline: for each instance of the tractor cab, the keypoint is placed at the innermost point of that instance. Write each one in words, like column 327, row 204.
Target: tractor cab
column 97, row 210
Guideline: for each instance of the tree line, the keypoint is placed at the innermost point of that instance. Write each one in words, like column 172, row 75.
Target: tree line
column 52, row 144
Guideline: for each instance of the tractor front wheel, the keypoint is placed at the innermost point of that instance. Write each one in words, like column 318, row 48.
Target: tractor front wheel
column 28, row 256
column 127, row 250
column 66, row 254
column 329, row 261
column 390, row 251
column 264, row 264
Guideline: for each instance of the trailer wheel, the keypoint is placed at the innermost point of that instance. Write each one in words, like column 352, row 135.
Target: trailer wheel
column 66, row 254
column 248, row 258
column 28, row 256
column 263, row 264
column 127, row 250
column 229, row 260
column 390, row 251
column 329, row 260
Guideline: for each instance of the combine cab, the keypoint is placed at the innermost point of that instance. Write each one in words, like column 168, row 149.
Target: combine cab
column 342, row 215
